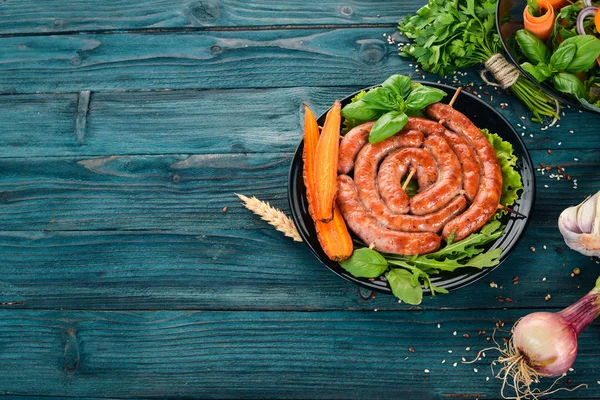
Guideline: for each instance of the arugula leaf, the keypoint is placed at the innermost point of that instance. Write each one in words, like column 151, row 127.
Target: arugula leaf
column 400, row 281
column 461, row 254
column 365, row 263
column 511, row 179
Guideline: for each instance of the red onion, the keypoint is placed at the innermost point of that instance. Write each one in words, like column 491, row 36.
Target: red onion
column 587, row 3
column 589, row 11
column 544, row 344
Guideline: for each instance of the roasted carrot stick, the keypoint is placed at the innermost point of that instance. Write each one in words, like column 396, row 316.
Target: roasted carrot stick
column 333, row 236
column 540, row 26
column 326, row 164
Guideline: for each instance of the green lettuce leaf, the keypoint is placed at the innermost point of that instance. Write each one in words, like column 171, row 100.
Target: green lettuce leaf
column 511, row 180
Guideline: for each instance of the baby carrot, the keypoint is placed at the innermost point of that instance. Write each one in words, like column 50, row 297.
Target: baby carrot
column 326, row 164
column 333, row 236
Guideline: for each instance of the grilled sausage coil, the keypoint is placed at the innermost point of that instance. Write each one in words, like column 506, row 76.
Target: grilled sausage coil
column 456, row 169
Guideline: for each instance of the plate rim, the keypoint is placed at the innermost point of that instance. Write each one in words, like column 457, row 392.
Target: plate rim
column 382, row 286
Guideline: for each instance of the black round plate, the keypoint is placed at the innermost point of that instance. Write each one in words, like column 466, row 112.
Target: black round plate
column 509, row 19
column 484, row 116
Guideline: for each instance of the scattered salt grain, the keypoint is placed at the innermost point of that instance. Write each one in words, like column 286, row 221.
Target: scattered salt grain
column 475, row 370
column 468, row 348
column 455, row 364
column 443, row 361
column 454, row 333
column 544, row 279
column 426, row 371
column 439, row 326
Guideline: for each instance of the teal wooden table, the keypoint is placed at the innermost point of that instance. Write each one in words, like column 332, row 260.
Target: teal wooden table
column 129, row 268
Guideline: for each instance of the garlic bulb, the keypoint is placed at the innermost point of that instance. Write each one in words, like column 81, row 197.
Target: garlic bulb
column 580, row 226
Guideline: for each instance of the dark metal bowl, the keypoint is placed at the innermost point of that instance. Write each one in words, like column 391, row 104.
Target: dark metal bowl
column 509, row 19
column 484, row 116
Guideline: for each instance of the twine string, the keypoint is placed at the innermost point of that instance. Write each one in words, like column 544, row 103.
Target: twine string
column 504, row 72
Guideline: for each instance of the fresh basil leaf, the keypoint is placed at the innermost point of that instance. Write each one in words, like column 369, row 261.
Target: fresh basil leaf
column 383, row 98
column 533, row 48
column 365, row 263
column 539, row 74
column 563, row 56
column 588, row 49
column 387, row 125
column 400, row 281
column 568, row 83
column 361, row 111
column 400, row 84
column 423, row 96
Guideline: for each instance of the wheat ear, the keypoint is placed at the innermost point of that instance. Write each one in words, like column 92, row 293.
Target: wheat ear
column 273, row 216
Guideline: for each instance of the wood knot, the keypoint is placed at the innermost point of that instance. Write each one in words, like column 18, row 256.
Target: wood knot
column 365, row 294
column 205, row 11
column 71, row 355
column 372, row 51
column 346, row 11
column 216, row 49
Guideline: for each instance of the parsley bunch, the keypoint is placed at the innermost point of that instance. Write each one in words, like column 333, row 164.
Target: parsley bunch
column 451, row 34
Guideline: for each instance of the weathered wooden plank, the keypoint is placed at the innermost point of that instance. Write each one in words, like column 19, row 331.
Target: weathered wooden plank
column 190, row 121
column 260, row 355
column 236, row 59
column 29, row 16
column 33, row 123
column 186, row 193
column 241, row 269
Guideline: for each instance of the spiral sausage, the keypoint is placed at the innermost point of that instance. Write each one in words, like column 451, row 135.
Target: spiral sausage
column 351, row 144
column 487, row 199
column 382, row 239
column 395, row 166
column 457, row 172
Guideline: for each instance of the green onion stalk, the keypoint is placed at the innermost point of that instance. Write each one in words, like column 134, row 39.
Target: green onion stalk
column 452, row 34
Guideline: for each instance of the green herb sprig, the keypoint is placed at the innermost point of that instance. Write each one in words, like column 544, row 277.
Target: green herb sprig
column 452, row 34
column 390, row 104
